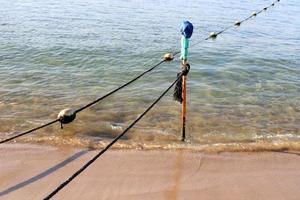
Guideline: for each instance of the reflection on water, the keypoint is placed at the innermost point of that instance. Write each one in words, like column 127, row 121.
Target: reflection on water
column 243, row 88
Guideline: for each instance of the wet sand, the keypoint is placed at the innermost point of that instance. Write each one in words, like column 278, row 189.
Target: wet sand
column 33, row 171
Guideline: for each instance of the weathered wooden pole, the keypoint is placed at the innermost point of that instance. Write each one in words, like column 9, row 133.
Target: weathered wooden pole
column 186, row 32
column 183, row 113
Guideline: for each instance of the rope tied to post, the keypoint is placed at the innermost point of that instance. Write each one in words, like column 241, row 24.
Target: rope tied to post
column 177, row 95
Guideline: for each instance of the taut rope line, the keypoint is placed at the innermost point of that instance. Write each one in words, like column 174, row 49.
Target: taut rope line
column 27, row 132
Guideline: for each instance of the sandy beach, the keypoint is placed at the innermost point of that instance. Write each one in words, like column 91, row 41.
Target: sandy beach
column 33, row 171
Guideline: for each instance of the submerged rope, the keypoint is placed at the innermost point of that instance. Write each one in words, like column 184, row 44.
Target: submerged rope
column 212, row 35
column 65, row 183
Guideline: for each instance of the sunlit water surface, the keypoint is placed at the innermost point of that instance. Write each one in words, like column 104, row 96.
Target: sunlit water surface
column 243, row 88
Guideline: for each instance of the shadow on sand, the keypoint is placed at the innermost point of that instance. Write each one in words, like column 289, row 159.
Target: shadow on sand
column 43, row 174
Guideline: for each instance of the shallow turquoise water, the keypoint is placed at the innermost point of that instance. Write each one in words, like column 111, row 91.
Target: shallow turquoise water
column 243, row 88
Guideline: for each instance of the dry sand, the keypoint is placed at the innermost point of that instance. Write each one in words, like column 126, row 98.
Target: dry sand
column 33, row 171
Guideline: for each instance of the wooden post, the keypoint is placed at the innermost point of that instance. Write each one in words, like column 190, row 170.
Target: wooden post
column 183, row 114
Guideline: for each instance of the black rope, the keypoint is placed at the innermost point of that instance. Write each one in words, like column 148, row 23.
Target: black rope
column 65, row 183
column 119, row 88
column 30, row 131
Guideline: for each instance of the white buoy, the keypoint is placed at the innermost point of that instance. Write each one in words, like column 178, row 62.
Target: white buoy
column 168, row 56
column 237, row 23
column 66, row 116
column 254, row 14
column 213, row 35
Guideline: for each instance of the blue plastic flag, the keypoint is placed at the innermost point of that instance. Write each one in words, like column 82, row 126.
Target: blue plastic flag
column 186, row 29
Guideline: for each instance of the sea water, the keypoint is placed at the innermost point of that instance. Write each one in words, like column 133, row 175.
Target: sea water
column 243, row 89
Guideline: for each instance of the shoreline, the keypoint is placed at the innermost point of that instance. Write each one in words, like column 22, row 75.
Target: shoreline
column 33, row 171
column 81, row 143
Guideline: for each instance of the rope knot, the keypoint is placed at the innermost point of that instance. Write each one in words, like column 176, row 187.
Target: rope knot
column 177, row 95
column 185, row 69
